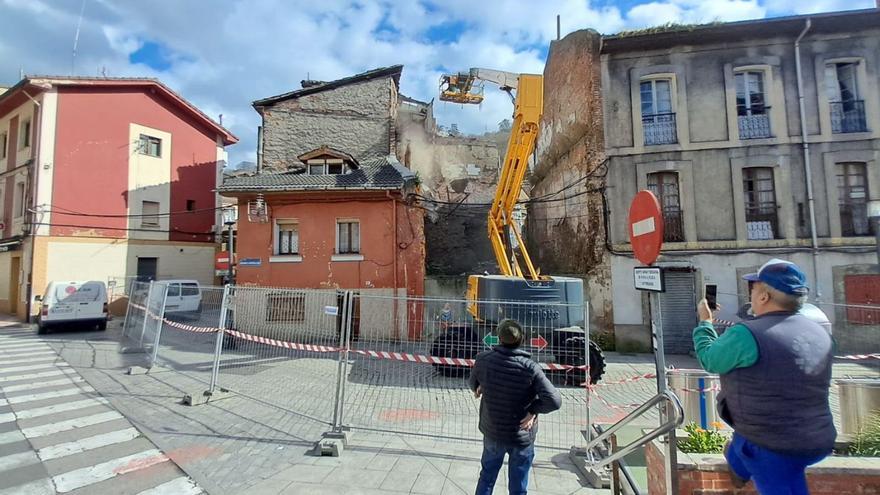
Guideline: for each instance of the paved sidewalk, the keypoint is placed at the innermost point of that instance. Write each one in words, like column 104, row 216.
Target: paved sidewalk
column 58, row 435
column 240, row 446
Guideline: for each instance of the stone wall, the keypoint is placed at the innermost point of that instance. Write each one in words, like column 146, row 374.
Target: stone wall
column 356, row 118
column 566, row 232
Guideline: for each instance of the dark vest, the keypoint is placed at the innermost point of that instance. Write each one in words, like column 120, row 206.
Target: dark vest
column 781, row 402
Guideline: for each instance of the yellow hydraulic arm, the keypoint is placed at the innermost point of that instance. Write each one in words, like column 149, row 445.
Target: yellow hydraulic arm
column 527, row 91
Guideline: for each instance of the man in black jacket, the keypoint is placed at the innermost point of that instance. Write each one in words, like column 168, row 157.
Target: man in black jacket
column 514, row 391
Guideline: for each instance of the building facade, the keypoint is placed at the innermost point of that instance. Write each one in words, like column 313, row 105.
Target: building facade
column 338, row 215
column 104, row 179
column 710, row 119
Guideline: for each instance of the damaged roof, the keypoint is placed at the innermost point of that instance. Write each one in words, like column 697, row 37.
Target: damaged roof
column 393, row 72
column 382, row 173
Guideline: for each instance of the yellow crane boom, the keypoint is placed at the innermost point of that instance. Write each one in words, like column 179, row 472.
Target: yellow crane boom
column 527, row 91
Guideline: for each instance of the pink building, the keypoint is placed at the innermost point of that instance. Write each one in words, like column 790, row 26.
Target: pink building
column 104, row 178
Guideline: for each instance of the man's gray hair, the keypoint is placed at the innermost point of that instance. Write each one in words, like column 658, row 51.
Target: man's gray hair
column 789, row 302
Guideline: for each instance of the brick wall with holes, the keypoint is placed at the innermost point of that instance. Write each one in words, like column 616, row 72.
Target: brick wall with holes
column 857, row 477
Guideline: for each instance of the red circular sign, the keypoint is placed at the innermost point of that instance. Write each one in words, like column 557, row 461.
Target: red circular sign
column 646, row 227
column 70, row 289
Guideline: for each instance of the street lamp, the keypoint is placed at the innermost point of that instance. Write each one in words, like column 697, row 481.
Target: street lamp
column 230, row 216
column 874, row 217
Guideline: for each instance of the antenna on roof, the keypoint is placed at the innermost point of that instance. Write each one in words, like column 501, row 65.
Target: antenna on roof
column 76, row 38
column 20, row 73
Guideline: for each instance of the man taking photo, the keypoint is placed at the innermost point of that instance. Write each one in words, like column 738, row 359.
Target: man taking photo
column 775, row 374
column 514, row 391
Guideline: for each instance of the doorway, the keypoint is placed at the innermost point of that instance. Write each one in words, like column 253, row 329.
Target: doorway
column 14, row 282
column 147, row 268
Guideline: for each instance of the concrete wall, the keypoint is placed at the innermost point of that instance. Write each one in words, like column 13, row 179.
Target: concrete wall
column 356, row 118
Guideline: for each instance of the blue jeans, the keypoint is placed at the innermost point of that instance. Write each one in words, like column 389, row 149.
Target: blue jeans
column 518, row 464
column 772, row 472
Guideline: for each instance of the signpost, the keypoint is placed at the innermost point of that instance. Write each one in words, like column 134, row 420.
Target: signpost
column 490, row 340
column 646, row 237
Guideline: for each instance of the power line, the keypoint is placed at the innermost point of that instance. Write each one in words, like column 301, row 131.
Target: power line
column 127, row 229
column 69, row 212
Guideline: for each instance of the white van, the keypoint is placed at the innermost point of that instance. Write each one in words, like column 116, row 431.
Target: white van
column 184, row 297
column 73, row 302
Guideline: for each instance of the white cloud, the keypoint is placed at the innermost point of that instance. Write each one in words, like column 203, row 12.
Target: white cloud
column 225, row 54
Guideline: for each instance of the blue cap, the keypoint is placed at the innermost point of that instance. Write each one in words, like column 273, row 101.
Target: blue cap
column 782, row 275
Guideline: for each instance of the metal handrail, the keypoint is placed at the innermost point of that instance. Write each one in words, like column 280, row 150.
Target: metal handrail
column 674, row 421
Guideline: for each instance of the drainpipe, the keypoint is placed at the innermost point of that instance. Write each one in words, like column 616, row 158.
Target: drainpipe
column 394, row 250
column 807, row 168
column 259, row 149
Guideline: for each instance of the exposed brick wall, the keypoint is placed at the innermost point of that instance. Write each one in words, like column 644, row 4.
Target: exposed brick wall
column 568, row 237
column 693, row 482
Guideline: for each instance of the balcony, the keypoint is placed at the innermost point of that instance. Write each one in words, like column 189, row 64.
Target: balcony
column 754, row 126
column 659, row 128
column 760, row 224
column 848, row 116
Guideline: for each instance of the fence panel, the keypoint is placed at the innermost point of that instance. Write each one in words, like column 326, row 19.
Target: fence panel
column 133, row 325
column 411, row 357
column 189, row 330
column 283, row 348
column 152, row 326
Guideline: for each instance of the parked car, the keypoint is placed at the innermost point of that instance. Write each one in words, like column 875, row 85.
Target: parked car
column 78, row 302
column 184, row 298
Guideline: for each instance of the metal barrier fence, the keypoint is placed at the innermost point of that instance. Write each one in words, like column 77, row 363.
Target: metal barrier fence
column 380, row 362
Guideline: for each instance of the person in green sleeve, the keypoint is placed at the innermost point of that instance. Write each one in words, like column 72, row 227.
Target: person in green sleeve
column 775, row 372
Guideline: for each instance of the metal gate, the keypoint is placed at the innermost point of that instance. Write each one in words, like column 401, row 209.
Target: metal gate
column 678, row 310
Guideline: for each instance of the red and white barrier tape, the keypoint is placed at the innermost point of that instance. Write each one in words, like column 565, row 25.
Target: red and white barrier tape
column 626, row 380
column 281, row 343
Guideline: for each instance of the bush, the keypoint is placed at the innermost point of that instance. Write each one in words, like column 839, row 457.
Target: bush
column 700, row 441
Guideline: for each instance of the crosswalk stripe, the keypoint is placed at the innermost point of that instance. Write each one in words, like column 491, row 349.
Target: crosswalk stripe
column 38, row 385
column 26, row 355
column 36, row 367
column 90, row 443
column 49, row 395
column 18, row 344
column 93, row 474
column 7, row 418
column 9, row 462
column 11, row 368
column 3, row 402
column 52, row 428
column 30, row 357
column 39, row 487
column 31, row 376
column 10, row 437
column 179, row 486
column 59, row 408
column 23, row 351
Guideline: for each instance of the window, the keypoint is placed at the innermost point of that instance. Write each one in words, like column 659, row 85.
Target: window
column 658, row 119
column 852, row 198
column 174, row 290
column 24, row 134
column 288, row 237
column 190, row 205
column 861, row 298
column 3, row 143
column 760, row 203
column 19, row 202
column 285, row 307
column 150, row 212
column 665, row 186
column 847, row 107
column 751, row 108
column 348, row 237
column 150, row 146
column 190, row 289
column 326, row 167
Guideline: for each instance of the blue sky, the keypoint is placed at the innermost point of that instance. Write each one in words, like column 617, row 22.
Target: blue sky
column 223, row 54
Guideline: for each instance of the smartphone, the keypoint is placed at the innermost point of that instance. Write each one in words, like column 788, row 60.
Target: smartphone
column 710, row 292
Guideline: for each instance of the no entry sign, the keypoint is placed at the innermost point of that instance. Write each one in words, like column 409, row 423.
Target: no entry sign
column 646, row 227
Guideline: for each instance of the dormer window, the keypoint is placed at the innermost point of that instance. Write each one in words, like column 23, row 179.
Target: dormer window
column 329, row 166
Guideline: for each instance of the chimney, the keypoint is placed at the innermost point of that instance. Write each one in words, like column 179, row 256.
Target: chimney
column 308, row 83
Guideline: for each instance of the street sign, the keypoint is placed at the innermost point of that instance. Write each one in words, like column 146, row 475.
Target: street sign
column 250, row 262
column 538, row 342
column 490, row 340
column 648, row 278
column 221, row 261
column 646, row 227
column 331, row 310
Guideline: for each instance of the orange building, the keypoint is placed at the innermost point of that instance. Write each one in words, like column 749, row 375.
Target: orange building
column 334, row 223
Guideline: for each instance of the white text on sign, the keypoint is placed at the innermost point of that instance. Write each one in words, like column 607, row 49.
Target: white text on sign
column 648, row 278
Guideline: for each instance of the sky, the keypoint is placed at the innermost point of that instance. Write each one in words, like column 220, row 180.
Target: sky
column 223, row 54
